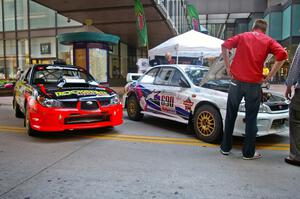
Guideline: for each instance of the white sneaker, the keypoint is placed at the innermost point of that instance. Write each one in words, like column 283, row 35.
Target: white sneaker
column 224, row 152
column 255, row 156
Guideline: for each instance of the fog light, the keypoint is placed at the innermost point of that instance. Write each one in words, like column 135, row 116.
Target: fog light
column 35, row 119
column 59, row 117
column 115, row 113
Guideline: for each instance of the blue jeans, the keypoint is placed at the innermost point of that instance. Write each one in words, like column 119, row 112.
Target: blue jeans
column 252, row 96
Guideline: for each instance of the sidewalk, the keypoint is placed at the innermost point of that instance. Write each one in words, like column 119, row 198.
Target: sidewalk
column 7, row 100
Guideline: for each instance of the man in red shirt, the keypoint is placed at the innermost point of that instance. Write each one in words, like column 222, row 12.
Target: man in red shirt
column 246, row 70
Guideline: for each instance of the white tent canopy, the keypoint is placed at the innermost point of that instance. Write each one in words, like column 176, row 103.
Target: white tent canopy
column 189, row 44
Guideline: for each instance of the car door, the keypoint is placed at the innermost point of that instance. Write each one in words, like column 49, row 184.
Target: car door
column 180, row 89
column 146, row 91
column 165, row 93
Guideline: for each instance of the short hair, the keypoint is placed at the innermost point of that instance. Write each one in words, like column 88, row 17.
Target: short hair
column 260, row 24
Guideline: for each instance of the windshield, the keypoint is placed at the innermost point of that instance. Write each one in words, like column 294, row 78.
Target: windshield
column 196, row 74
column 52, row 74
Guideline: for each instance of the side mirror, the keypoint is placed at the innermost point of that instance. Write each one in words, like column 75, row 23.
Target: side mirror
column 183, row 83
column 133, row 77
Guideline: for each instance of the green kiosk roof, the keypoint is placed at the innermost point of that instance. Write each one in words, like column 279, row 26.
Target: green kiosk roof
column 88, row 37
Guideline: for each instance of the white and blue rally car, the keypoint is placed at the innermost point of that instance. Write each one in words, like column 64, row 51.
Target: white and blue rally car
column 173, row 92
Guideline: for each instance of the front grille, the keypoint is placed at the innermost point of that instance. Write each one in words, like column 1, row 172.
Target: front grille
column 279, row 107
column 86, row 119
column 89, row 105
column 104, row 101
column 69, row 104
column 278, row 122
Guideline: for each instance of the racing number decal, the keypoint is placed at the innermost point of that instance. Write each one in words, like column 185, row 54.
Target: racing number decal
column 167, row 103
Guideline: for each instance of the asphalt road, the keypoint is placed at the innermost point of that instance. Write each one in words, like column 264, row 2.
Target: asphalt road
column 153, row 158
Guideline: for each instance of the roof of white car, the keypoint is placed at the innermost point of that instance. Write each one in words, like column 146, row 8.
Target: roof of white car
column 185, row 66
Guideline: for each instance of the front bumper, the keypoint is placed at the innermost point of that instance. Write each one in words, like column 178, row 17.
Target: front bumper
column 267, row 123
column 61, row 119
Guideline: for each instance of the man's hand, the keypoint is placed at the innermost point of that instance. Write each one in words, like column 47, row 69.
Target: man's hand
column 288, row 92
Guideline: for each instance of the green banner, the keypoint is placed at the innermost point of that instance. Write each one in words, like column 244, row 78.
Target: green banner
column 141, row 24
column 193, row 17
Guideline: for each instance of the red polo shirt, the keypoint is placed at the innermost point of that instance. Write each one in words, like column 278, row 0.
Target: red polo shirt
column 252, row 49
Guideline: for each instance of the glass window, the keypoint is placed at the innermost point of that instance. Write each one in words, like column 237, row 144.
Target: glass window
column 65, row 53
column 275, row 28
column 286, row 23
column 80, row 57
column 11, row 60
column 9, row 15
column 23, row 54
column 149, row 77
column 114, row 69
column 164, row 76
column 124, row 59
column 2, row 67
column 1, row 26
column 267, row 18
column 176, row 78
column 43, row 49
column 22, row 14
column 63, row 21
column 98, row 64
column 41, row 16
column 295, row 20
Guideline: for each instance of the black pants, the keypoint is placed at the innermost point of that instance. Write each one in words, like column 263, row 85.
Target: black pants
column 294, row 122
column 252, row 95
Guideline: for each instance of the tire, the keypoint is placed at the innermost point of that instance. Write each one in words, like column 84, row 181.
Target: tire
column 30, row 131
column 18, row 112
column 134, row 109
column 207, row 124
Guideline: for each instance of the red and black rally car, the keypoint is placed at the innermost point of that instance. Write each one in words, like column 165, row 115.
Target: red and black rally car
column 62, row 97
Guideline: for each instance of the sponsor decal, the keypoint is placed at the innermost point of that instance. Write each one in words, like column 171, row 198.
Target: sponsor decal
column 80, row 93
column 188, row 104
column 167, row 102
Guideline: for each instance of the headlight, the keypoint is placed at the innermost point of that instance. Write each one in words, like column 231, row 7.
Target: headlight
column 115, row 100
column 262, row 108
column 50, row 103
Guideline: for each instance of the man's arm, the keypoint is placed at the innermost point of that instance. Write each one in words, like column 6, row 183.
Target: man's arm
column 293, row 73
column 226, row 47
column 276, row 66
column 280, row 56
column 225, row 54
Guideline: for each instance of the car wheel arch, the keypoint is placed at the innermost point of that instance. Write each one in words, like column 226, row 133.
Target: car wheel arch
column 128, row 96
column 201, row 103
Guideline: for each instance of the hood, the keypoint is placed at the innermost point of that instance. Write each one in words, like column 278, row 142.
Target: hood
column 216, row 71
column 74, row 92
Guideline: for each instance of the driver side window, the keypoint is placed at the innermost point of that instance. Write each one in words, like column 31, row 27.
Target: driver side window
column 164, row 76
column 149, row 77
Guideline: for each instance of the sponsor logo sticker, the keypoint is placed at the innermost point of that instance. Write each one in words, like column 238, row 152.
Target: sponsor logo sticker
column 80, row 93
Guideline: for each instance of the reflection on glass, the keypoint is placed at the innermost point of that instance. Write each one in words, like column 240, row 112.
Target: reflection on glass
column 22, row 14
column 43, row 48
column 80, row 57
column 23, row 54
column 98, row 64
column 9, row 15
column 63, row 21
column 40, row 16
column 2, row 70
column 11, row 60
column 65, row 53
